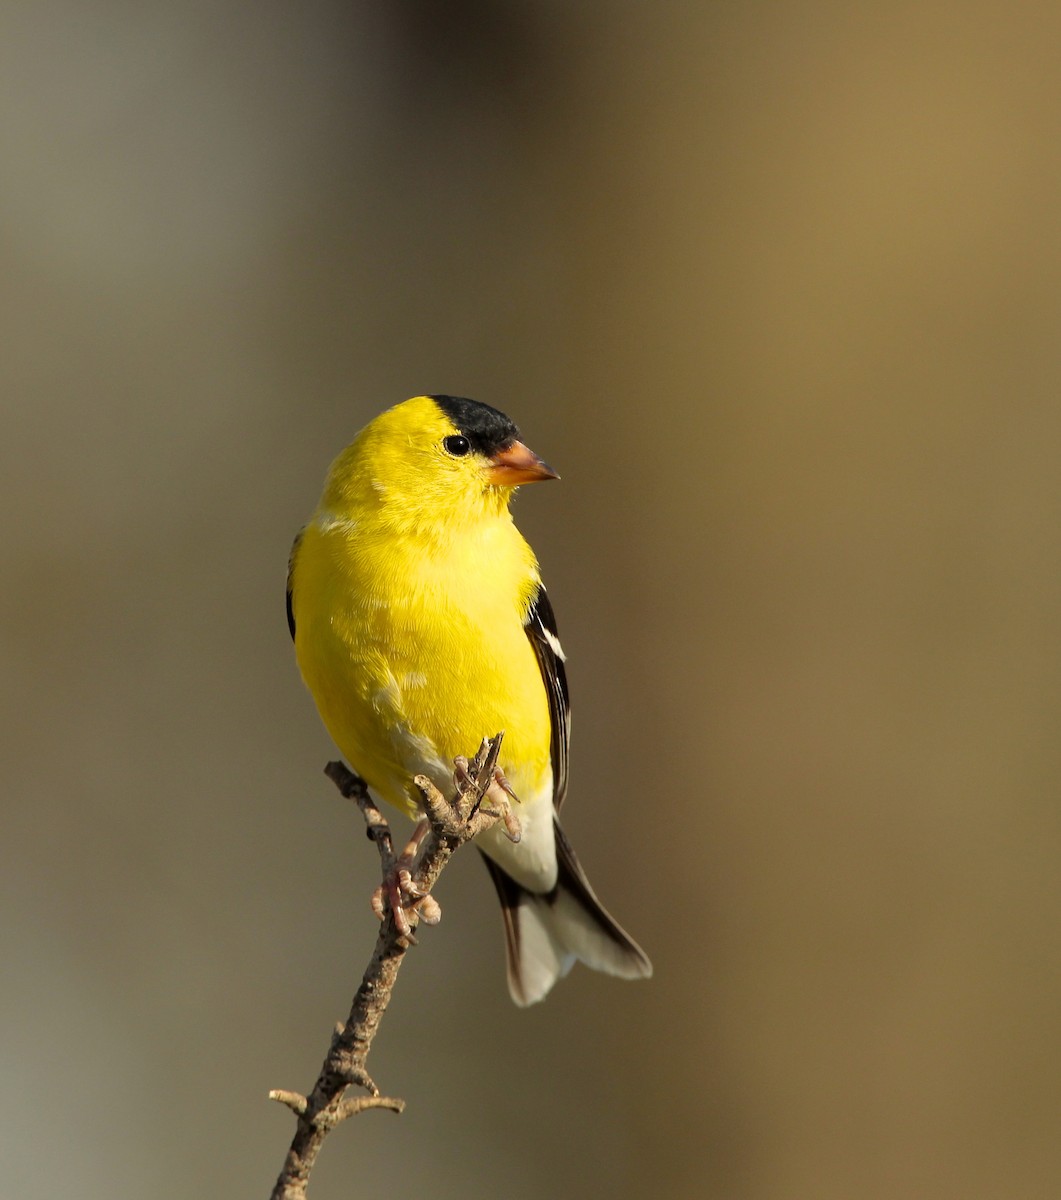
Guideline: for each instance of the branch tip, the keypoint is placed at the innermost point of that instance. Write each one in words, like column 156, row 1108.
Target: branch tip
column 350, row 1108
column 294, row 1101
column 350, row 786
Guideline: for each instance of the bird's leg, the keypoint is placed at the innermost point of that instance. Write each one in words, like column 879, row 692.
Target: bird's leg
column 398, row 891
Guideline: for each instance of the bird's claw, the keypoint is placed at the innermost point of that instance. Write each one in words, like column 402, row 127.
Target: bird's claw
column 398, row 896
column 463, row 777
column 489, row 786
column 503, row 783
column 399, row 892
column 496, row 799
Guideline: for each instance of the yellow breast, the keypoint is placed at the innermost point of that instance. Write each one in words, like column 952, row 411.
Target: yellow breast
column 414, row 649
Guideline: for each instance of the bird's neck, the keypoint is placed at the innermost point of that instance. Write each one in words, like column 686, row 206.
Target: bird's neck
column 410, row 526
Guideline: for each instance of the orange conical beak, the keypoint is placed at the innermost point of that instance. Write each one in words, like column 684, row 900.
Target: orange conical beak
column 517, row 464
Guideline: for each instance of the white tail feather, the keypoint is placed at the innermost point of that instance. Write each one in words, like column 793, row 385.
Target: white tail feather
column 547, row 932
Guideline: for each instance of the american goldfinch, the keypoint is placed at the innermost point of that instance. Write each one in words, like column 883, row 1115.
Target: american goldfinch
column 421, row 626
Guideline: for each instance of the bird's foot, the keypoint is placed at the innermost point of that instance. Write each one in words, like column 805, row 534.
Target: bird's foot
column 398, row 891
column 492, row 791
column 496, row 799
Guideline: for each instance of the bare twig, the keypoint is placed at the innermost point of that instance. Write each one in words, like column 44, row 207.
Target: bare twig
column 479, row 802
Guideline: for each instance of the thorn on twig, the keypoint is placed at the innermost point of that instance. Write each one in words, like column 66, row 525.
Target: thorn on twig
column 294, row 1100
column 328, row 1118
column 350, row 1108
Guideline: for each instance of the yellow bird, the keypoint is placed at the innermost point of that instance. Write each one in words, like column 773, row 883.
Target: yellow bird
column 421, row 626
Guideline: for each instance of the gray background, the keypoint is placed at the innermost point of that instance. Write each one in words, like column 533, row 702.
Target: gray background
column 776, row 289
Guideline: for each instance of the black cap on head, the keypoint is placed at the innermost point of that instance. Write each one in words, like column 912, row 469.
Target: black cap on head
column 487, row 429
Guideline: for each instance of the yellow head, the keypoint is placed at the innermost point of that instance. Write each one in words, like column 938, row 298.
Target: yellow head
column 432, row 459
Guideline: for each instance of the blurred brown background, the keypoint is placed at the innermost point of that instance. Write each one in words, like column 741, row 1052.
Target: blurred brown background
column 776, row 288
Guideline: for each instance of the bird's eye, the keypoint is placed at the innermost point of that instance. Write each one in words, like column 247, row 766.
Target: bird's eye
column 456, row 445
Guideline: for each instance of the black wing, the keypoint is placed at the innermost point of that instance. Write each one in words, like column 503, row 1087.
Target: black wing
column 541, row 629
column 290, row 573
